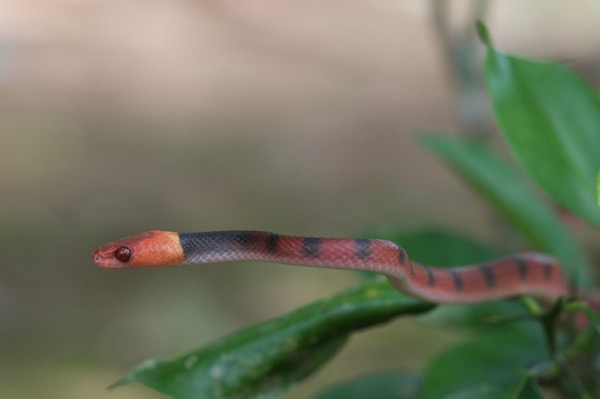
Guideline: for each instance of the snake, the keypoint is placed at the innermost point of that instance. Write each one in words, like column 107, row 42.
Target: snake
column 526, row 273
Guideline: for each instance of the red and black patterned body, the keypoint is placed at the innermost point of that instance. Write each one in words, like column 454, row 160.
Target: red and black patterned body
column 527, row 273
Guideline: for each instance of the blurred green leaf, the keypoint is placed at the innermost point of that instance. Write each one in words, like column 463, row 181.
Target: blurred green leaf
column 593, row 316
column 551, row 120
column 451, row 249
column 590, row 313
column 390, row 385
column 527, row 389
column 497, row 364
column 265, row 359
column 508, row 192
column 436, row 247
column 598, row 187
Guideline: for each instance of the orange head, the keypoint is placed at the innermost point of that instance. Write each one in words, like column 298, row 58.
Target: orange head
column 151, row 249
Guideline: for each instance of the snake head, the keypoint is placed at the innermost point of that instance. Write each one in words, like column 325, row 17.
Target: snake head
column 150, row 249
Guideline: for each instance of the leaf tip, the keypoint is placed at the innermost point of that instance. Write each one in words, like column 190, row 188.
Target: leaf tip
column 484, row 34
column 135, row 374
column 122, row 381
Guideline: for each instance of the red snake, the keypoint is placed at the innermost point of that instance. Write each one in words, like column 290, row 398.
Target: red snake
column 522, row 274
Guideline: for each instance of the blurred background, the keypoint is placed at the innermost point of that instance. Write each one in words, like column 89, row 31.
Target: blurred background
column 300, row 117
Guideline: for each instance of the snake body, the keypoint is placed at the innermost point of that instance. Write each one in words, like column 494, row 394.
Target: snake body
column 522, row 274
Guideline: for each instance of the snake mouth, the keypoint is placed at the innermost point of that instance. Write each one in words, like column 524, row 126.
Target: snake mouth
column 104, row 258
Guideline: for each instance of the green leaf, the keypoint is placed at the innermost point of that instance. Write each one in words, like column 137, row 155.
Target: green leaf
column 390, row 385
column 593, row 316
column 551, row 120
column 451, row 249
column 511, row 196
column 498, row 364
column 527, row 389
column 598, row 187
column 590, row 313
column 262, row 361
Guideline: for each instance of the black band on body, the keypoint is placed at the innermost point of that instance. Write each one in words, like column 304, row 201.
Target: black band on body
column 204, row 243
column 362, row 248
column 490, row 278
column 430, row 276
column 458, row 282
column 547, row 270
column 401, row 255
column 271, row 243
column 522, row 266
column 311, row 246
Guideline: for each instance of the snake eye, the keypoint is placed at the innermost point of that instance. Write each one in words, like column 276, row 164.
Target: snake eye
column 123, row 254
